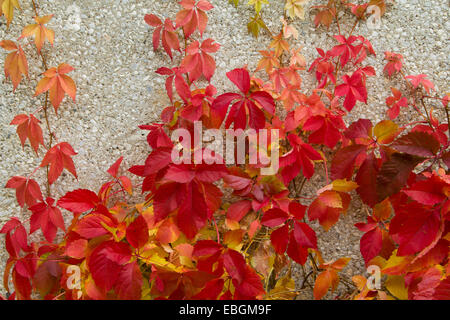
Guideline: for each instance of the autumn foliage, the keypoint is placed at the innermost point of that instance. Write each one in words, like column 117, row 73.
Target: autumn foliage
column 211, row 231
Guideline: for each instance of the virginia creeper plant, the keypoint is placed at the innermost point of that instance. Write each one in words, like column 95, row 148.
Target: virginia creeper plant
column 211, row 231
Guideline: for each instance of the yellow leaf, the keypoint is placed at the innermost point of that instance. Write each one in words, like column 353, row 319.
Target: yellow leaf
column 257, row 4
column 343, row 185
column 386, row 131
column 233, row 239
column 294, row 8
column 284, row 289
column 7, row 8
column 396, row 286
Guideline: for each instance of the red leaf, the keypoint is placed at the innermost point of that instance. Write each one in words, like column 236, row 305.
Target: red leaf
column 129, row 282
column 106, row 261
column 421, row 80
column 192, row 213
column 211, row 291
column 344, row 161
column 366, row 178
column 295, row 251
column 46, row 217
column 304, row 235
column 237, row 210
column 91, row 226
column 395, row 63
column 29, row 128
column 78, row 201
column 280, row 239
column 59, row 157
column 235, row 265
column 428, row 192
column 274, row 217
column 137, row 232
column 353, row 89
column 394, row 174
column 77, row 248
column 241, row 78
column 27, row 190
column 371, row 244
column 417, row 143
column 114, row 169
column 297, row 210
column 414, row 228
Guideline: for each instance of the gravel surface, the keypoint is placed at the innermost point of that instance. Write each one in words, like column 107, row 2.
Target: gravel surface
column 109, row 44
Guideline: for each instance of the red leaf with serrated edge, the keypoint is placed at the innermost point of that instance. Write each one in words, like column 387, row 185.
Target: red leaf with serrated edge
column 157, row 137
column 280, row 238
column 246, row 108
column 325, row 130
column 193, row 16
column 28, row 128
column 211, row 291
column 371, row 244
column 250, row 288
column 27, row 190
column 137, row 232
column 92, row 226
column 79, row 201
column 59, row 157
column 395, row 102
column 129, row 282
column 345, row 50
column 295, row 251
column 297, row 210
column 417, row 143
column 77, row 248
column 353, row 88
column 10, row 225
column 237, row 210
column 442, row 292
column 166, row 199
column 395, row 63
column 152, row 20
column 265, row 100
column 327, row 208
column 198, row 62
column 206, row 248
column 241, row 78
column 192, row 213
column 428, row 192
column 274, row 217
column 106, row 261
column 114, row 169
column 235, row 265
column 157, row 160
column 343, row 162
column 420, row 79
column 366, row 178
column 394, row 174
column 301, row 157
column 46, row 217
column 414, row 228
column 164, row 32
column 304, row 235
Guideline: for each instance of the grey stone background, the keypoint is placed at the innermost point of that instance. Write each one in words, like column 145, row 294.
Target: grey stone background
column 109, row 45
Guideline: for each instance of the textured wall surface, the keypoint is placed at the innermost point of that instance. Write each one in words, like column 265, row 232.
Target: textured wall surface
column 109, row 44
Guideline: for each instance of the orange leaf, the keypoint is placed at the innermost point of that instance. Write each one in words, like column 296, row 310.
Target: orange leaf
column 58, row 83
column 39, row 32
column 16, row 63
